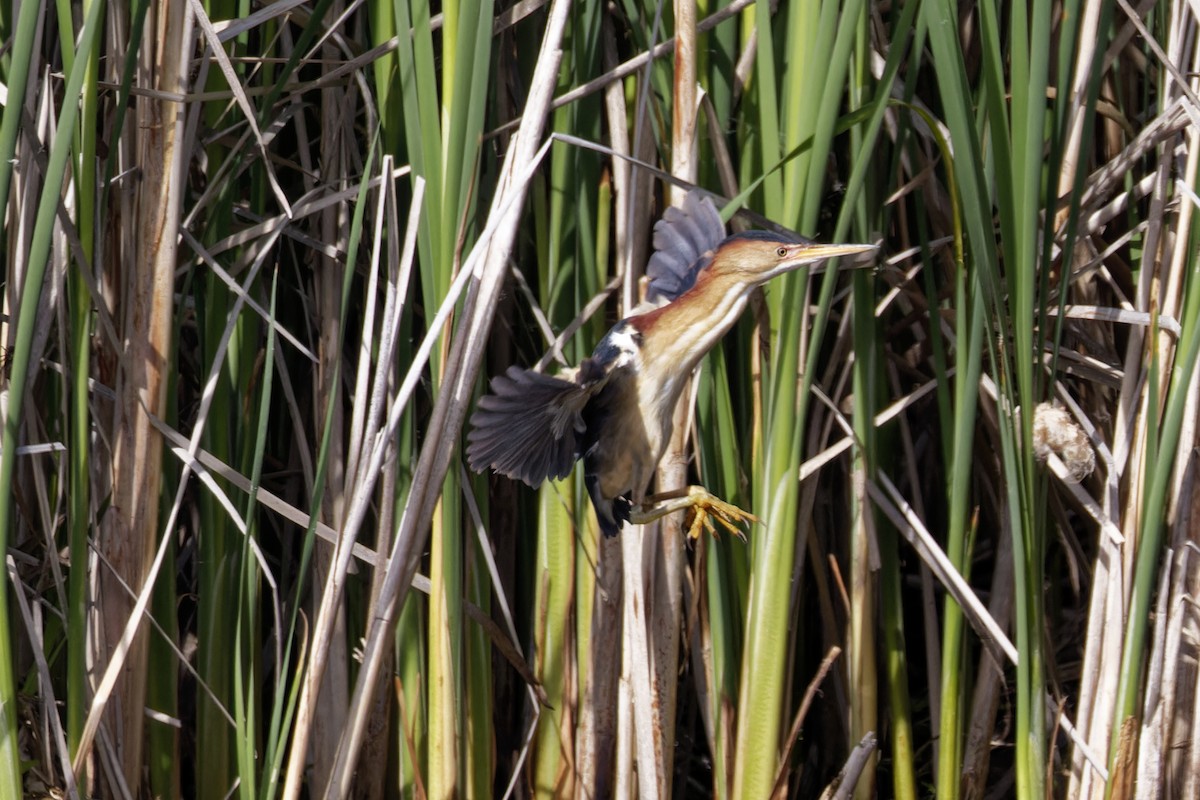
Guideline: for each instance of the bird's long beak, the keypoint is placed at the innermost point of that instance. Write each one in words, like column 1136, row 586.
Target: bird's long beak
column 817, row 256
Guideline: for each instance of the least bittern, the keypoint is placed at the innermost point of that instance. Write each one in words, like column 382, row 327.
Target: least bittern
column 615, row 409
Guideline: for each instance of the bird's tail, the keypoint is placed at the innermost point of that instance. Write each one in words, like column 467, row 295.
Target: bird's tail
column 528, row 426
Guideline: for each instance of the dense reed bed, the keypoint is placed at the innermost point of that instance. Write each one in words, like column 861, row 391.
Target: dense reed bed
column 260, row 258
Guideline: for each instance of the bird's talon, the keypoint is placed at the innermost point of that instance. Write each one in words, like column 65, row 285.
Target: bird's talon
column 706, row 506
column 702, row 507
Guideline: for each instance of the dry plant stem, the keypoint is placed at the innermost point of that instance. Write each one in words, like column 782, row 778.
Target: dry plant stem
column 699, row 645
column 130, row 528
column 638, row 549
column 1101, row 654
column 1179, row 266
column 1179, row 726
column 1152, row 737
column 595, row 741
column 665, row 568
column 1129, row 453
column 639, row 204
column 1192, row 767
column 45, row 684
column 1089, row 38
column 111, row 763
column 373, row 776
column 451, row 406
column 1187, row 754
column 988, row 682
column 623, row 781
column 861, row 629
column 622, row 169
column 1166, row 720
column 633, row 734
column 843, row 785
column 654, row 556
column 798, row 723
column 596, row 737
column 330, row 716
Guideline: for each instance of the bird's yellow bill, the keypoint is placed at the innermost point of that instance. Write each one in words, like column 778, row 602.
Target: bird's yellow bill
column 816, row 256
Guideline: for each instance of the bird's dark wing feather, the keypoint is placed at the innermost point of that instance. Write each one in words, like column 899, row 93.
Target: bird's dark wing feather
column 683, row 242
column 528, row 428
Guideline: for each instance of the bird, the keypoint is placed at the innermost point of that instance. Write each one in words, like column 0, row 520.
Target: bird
column 614, row 410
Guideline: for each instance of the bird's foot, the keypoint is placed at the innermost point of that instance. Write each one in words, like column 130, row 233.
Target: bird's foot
column 702, row 506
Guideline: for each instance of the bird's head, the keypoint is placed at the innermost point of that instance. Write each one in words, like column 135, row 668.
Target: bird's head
column 755, row 257
column 707, row 289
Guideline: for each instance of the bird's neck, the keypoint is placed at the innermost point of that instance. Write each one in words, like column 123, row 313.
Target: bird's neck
column 676, row 336
column 673, row 340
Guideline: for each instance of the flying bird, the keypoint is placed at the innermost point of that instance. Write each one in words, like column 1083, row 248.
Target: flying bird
column 615, row 409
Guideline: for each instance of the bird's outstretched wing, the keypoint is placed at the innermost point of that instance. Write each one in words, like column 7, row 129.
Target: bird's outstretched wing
column 529, row 426
column 684, row 240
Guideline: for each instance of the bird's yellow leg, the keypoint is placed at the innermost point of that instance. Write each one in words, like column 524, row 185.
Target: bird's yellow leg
column 704, row 508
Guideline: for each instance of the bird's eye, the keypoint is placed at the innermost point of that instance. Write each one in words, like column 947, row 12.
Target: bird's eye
column 781, row 252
